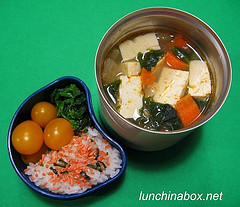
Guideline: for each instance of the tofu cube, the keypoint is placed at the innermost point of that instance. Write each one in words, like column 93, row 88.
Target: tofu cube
column 130, row 48
column 130, row 96
column 171, row 86
column 132, row 68
column 156, row 71
column 199, row 79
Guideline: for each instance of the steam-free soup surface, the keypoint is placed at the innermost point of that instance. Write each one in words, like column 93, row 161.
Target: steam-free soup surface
column 158, row 81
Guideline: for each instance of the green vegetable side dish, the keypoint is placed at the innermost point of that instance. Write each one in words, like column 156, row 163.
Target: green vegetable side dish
column 157, row 116
column 71, row 105
column 149, row 59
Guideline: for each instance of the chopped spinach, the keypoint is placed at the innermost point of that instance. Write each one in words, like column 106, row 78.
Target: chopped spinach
column 111, row 90
column 149, row 59
column 71, row 105
column 181, row 54
column 156, row 116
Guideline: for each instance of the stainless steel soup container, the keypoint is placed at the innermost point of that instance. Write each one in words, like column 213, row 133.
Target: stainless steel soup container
column 200, row 34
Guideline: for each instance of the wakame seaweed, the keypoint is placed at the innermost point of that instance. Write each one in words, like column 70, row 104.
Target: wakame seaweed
column 71, row 104
column 181, row 54
column 111, row 90
column 202, row 103
column 149, row 59
column 156, row 116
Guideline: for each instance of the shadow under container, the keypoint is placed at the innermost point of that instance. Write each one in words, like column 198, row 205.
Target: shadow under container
column 194, row 29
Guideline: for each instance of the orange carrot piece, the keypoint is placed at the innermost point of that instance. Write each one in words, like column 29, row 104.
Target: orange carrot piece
column 147, row 77
column 187, row 110
column 173, row 62
column 178, row 41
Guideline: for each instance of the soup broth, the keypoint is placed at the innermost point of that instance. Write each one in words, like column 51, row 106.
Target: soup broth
column 158, row 80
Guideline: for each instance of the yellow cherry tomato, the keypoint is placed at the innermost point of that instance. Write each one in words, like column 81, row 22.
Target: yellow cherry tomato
column 27, row 137
column 34, row 158
column 58, row 133
column 43, row 113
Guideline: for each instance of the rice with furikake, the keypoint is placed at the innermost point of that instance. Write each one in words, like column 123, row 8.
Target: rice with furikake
column 86, row 161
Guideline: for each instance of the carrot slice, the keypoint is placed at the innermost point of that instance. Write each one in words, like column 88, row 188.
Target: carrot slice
column 178, row 41
column 173, row 62
column 147, row 77
column 187, row 110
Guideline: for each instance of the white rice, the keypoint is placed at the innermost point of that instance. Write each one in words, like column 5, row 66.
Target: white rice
column 44, row 177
